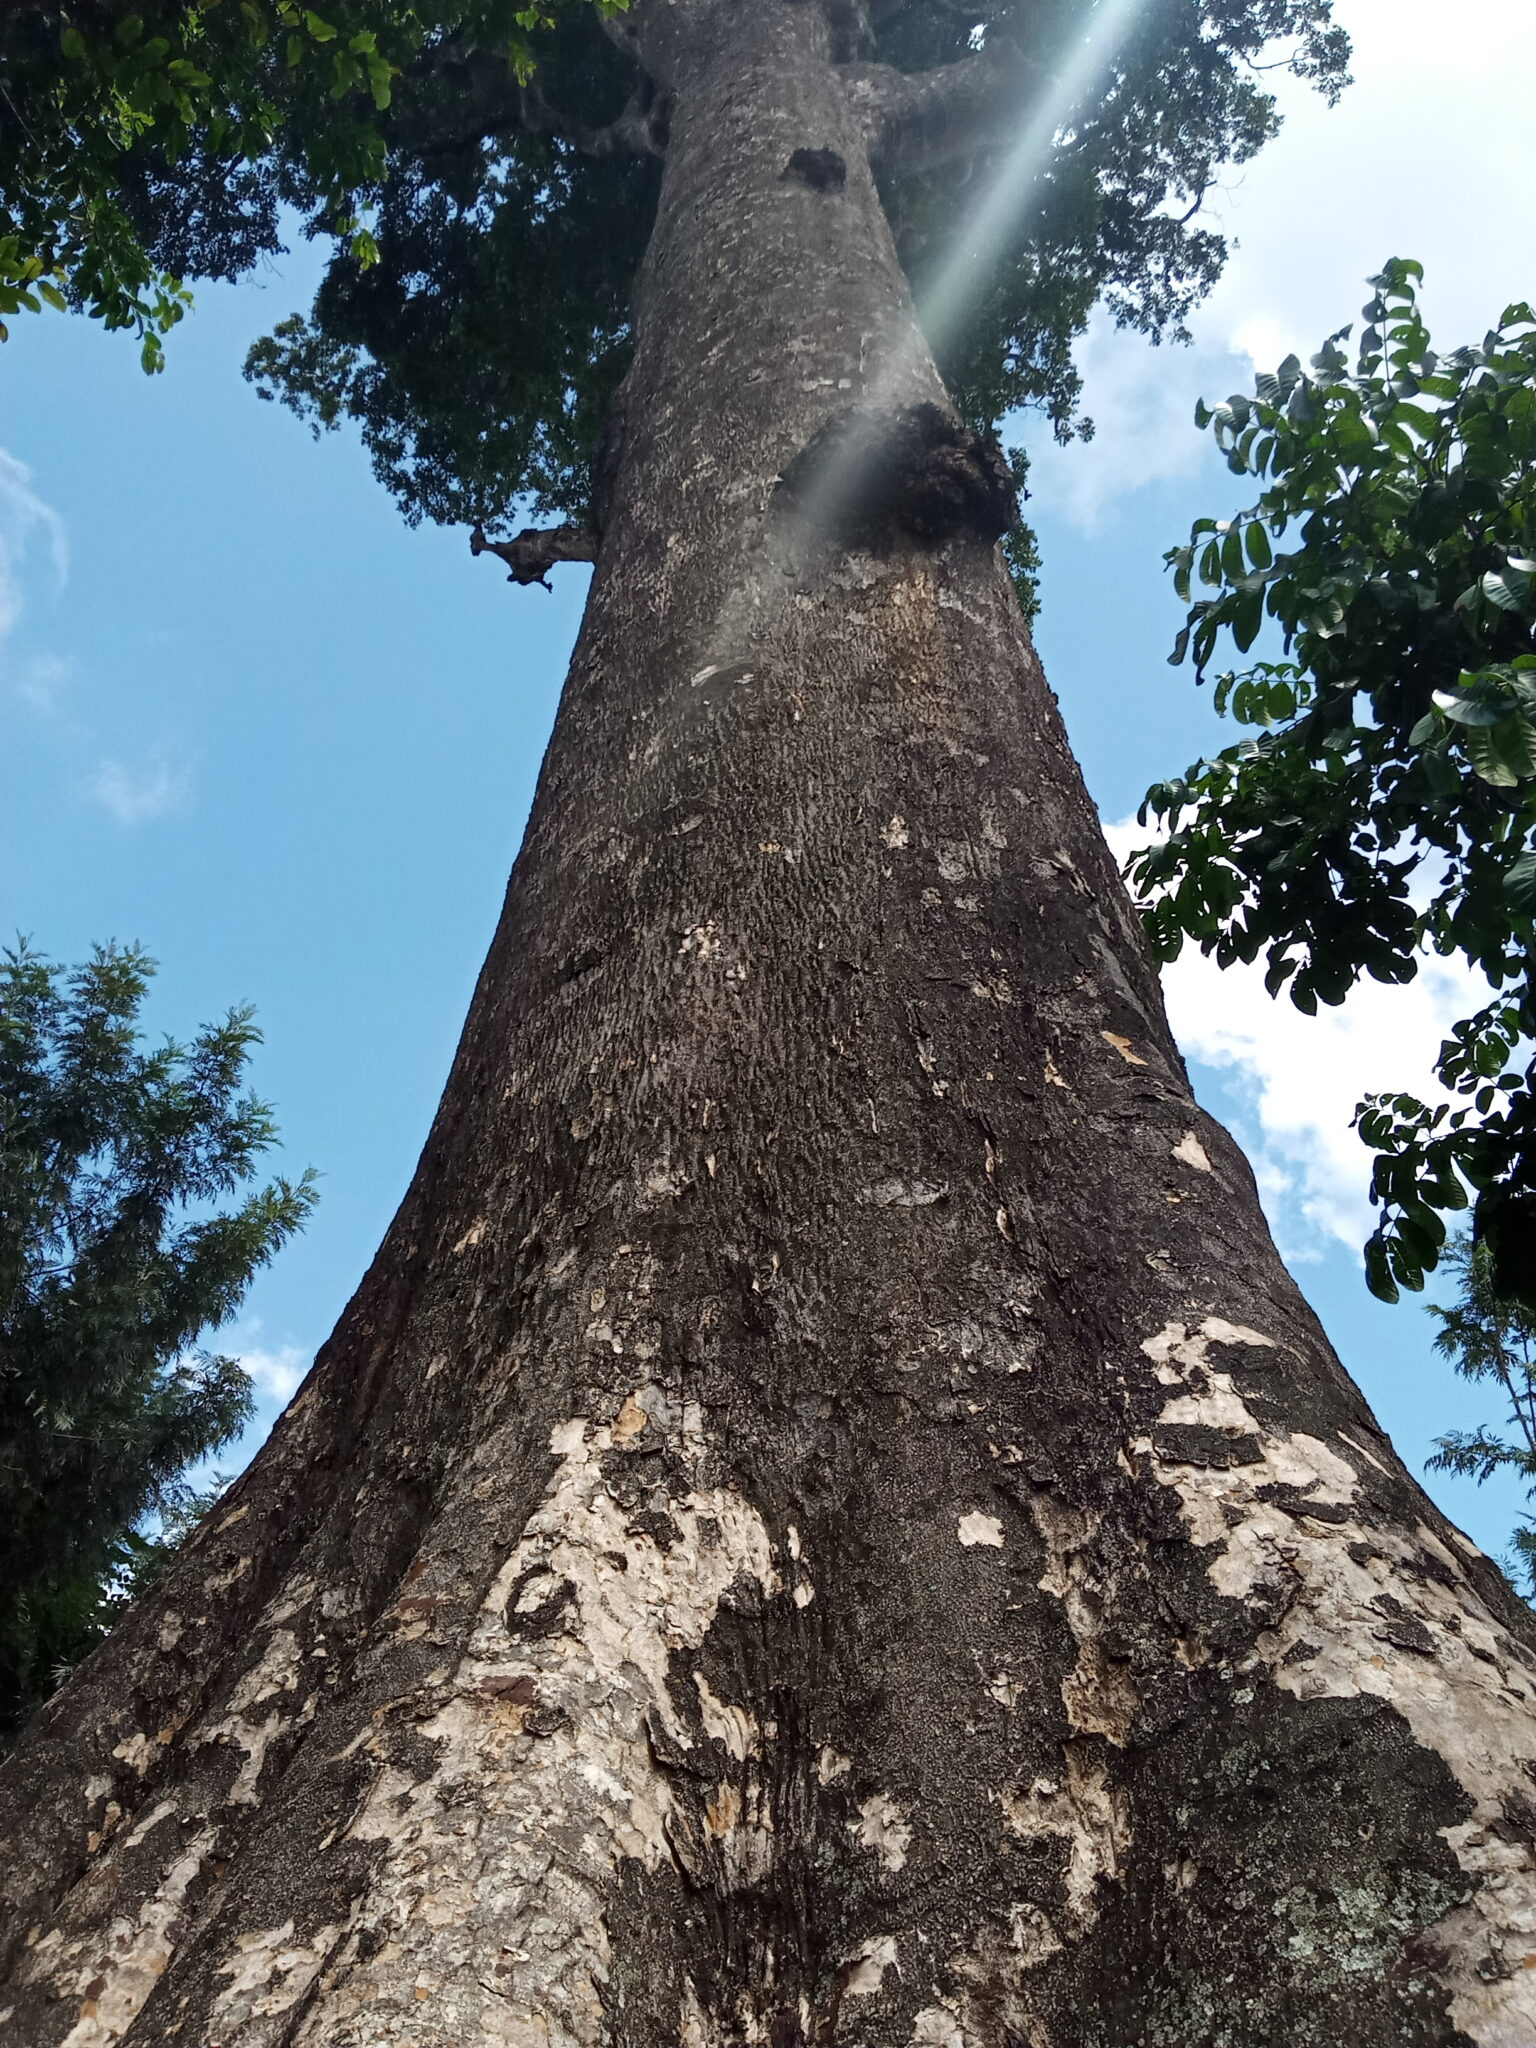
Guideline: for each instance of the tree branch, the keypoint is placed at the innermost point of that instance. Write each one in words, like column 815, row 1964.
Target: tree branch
column 918, row 121
column 491, row 101
column 641, row 129
column 531, row 554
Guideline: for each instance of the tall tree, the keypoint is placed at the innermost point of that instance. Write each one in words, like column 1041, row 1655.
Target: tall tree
column 827, row 1517
column 1489, row 1338
column 114, row 1260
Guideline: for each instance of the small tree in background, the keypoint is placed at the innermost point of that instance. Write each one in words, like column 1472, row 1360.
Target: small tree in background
column 1488, row 1337
column 113, row 1260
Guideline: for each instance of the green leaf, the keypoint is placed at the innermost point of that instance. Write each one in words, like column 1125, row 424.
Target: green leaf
column 1510, row 591
column 1378, row 1274
column 1487, row 759
column 1247, row 618
column 1514, row 739
column 1466, row 710
column 1520, row 885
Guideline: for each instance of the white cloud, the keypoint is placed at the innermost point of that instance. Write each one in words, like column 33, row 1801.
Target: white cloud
column 1141, row 400
column 40, row 685
column 276, row 1373
column 134, row 795
column 1427, row 154
column 23, row 514
column 1300, row 1077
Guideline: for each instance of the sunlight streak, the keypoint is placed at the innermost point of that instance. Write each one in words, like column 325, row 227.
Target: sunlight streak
column 948, row 298
column 904, row 374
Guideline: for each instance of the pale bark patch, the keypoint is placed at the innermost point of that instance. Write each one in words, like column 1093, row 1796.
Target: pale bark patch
column 274, row 1677
column 904, row 1194
column 1373, row 1622
column 1089, row 1815
column 867, row 1966
column 1190, row 1150
column 112, row 1976
column 937, row 2027
column 546, row 1741
column 732, row 1725
column 1123, row 1046
column 882, row 1826
column 1098, row 1693
column 271, row 1972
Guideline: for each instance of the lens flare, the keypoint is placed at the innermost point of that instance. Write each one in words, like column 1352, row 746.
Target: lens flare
column 948, row 298
column 903, row 375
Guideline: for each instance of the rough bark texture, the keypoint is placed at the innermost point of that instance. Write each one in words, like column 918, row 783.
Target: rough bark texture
column 828, row 1519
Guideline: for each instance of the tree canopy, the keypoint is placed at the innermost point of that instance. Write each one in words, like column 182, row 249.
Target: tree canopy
column 144, row 143
column 1386, row 808
column 114, row 1258
column 489, row 175
column 478, row 354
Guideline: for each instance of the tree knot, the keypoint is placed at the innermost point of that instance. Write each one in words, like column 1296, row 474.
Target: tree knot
column 873, row 476
column 822, row 169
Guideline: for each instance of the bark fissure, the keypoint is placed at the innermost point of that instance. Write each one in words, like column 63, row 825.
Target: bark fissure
column 828, row 1519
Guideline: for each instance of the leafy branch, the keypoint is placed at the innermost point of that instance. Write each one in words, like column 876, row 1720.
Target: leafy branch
column 1384, row 807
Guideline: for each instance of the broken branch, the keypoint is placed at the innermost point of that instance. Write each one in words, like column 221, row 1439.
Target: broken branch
column 531, row 554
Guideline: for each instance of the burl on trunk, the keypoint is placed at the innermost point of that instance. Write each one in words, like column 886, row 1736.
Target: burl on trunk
column 828, row 1520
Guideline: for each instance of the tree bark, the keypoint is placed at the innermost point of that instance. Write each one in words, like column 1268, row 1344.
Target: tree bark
column 827, row 1519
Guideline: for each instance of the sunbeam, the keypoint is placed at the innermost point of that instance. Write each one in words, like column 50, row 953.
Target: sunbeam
column 947, row 299
column 850, row 459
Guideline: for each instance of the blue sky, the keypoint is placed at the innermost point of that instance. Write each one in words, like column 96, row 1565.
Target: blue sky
column 255, row 722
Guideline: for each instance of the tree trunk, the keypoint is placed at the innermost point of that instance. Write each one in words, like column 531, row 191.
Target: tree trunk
column 827, row 1520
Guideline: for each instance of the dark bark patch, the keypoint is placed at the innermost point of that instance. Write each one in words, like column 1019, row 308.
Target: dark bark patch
column 517, row 1692
column 1200, row 1443
column 1301, row 1653
column 660, row 1528
column 872, row 478
column 546, row 1617
column 1293, row 1501
column 580, row 964
column 1315, row 1873
column 1518, row 1819
column 1403, row 1630
column 1425, row 1565
column 822, row 169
